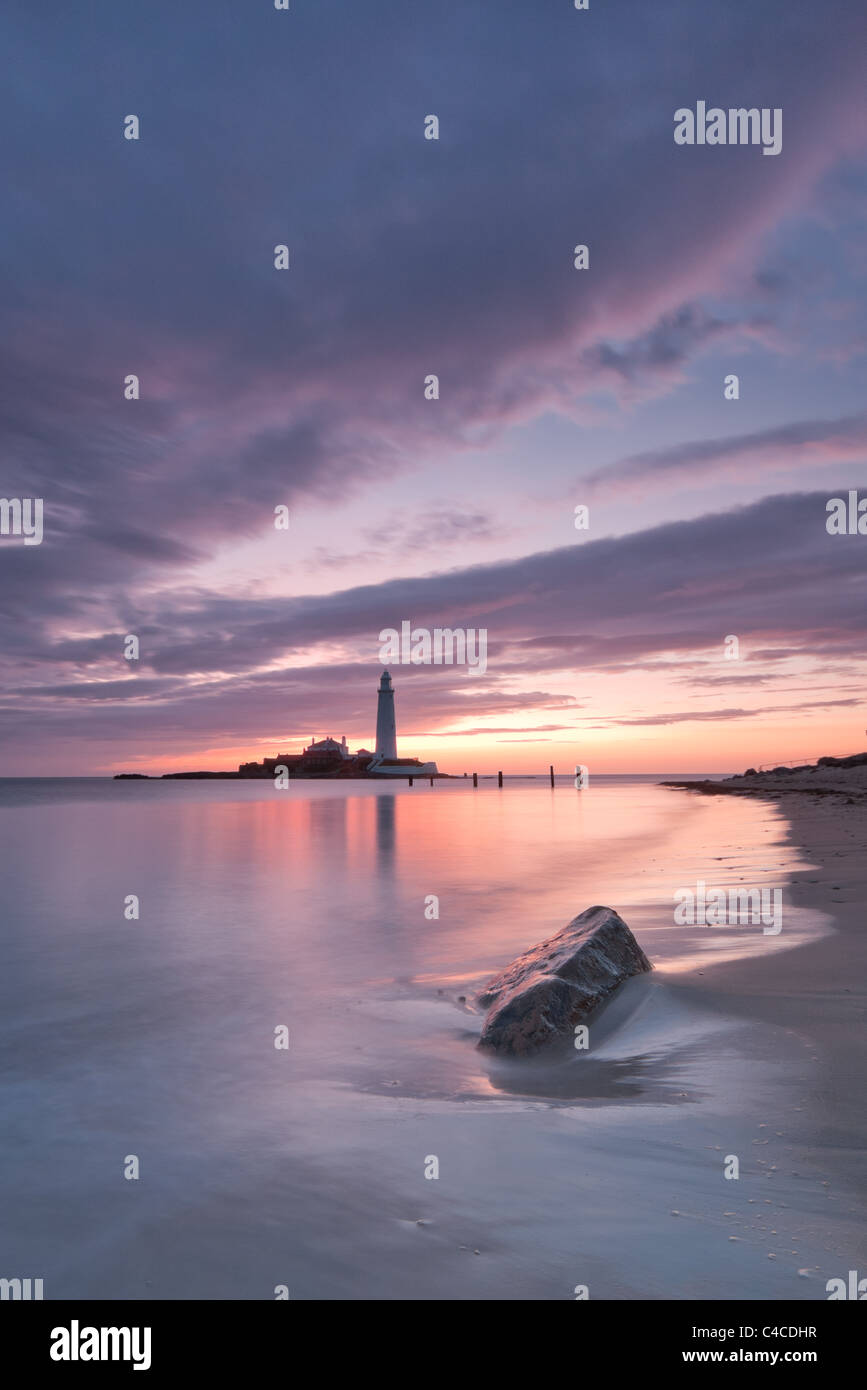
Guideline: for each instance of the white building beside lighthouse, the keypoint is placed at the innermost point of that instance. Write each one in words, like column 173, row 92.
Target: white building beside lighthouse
column 385, row 762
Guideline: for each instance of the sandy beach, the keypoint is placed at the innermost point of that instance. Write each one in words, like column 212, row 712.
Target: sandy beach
column 816, row 992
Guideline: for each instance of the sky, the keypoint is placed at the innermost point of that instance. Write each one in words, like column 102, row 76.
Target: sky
column 305, row 388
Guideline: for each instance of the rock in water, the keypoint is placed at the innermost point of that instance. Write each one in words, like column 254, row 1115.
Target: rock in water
column 562, row 981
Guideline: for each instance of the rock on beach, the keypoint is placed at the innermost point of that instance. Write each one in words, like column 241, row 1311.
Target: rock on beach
column 561, row 982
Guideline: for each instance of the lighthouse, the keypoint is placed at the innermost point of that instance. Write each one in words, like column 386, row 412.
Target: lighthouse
column 386, row 736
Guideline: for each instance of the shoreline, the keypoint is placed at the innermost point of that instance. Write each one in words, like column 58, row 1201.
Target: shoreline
column 845, row 777
column 816, row 990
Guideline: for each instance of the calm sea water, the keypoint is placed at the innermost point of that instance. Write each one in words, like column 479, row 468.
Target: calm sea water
column 305, row 909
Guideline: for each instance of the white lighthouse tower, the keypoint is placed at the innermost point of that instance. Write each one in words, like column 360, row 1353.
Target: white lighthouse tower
column 386, row 734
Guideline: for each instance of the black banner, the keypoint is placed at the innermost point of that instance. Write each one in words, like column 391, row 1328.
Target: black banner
column 207, row 1339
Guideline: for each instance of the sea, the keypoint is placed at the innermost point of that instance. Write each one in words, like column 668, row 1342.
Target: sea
column 238, row 1041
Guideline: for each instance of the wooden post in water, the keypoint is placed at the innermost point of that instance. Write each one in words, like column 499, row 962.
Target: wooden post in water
column 410, row 781
column 499, row 779
column 475, row 779
column 551, row 770
column 431, row 781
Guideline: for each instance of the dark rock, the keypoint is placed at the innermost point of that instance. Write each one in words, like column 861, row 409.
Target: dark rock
column 544, row 993
column 855, row 760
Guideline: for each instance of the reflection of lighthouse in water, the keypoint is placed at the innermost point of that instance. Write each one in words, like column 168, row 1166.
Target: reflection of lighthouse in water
column 386, row 735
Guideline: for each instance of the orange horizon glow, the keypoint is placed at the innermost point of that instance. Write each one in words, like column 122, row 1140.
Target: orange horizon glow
column 685, row 749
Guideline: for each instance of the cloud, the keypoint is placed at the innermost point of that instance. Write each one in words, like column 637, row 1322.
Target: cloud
column 657, row 357
column 715, row 716
column 483, row 729
column 260, row 386
column 785, row 446
column 675, row 586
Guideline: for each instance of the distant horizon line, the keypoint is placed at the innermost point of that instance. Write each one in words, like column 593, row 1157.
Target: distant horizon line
column 447, row 776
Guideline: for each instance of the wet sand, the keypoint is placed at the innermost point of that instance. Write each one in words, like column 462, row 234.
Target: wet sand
column 818, row 991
